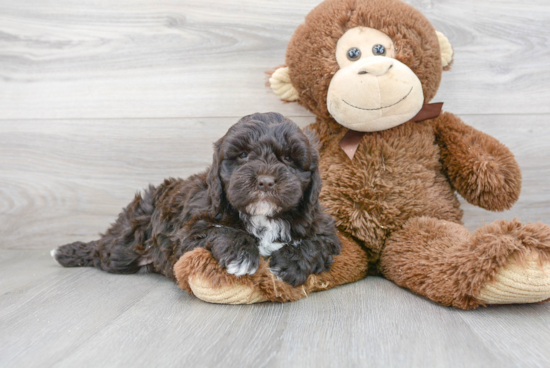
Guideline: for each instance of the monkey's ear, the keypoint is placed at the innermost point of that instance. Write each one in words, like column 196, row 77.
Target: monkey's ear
column 446, row 50
column 282, row 86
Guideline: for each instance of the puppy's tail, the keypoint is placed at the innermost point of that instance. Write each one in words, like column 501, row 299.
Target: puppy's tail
column 77, row 254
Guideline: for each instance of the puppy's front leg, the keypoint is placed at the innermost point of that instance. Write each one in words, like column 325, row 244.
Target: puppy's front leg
column 294, row 262
column 235, row 250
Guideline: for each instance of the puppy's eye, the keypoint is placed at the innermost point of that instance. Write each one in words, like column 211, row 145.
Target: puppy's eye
column 379, row 50
column 354, row 54
column 288, row 159
column 243, row 155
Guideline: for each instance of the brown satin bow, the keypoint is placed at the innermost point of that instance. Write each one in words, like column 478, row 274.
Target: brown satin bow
column 350, row 141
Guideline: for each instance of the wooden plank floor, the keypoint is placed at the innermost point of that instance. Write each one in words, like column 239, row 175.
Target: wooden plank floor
column 98, row 98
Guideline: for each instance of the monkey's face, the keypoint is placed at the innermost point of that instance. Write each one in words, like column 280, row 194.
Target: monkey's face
column 368, row 65
column 372, row 91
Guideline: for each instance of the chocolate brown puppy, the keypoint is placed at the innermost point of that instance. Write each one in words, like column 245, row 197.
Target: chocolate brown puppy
column 259, row 198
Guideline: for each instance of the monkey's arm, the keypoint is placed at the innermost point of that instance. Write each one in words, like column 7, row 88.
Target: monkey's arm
column 480, row 168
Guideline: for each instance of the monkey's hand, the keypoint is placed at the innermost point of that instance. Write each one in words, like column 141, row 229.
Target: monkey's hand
column 480, row 168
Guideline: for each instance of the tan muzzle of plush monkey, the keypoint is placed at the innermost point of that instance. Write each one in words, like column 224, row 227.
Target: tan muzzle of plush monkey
column 372, row 90
column 375, row 93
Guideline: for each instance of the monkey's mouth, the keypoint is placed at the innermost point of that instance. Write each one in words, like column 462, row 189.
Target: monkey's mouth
column 380, row 108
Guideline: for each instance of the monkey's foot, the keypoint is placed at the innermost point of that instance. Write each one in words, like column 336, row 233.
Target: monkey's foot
column 199, row 273
column 227, row 294
column 522, row 280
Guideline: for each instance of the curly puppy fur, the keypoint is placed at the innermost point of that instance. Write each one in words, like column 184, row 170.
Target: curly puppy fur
column 260, row 197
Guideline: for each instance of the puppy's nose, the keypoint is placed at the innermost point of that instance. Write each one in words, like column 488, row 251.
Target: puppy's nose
column 266, row 182
column 377, row 65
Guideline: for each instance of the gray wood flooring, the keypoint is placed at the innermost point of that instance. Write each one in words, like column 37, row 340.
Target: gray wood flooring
column 98, row 98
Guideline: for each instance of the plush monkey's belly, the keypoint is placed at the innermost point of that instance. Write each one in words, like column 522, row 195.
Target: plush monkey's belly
column 395, row 175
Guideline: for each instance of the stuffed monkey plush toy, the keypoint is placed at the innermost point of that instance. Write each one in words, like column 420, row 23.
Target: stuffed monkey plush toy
column 391, row 166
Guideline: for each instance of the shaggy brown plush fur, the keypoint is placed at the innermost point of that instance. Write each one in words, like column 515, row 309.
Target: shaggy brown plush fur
column 395, row 202
column 479, row 167
column 443, row 261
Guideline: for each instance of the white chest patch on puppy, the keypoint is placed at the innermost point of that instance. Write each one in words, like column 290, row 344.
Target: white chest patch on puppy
column 273, row 234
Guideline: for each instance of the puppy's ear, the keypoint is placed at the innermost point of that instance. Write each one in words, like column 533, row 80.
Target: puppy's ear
column 215, row 186
column 314, row 189
column 311, row 196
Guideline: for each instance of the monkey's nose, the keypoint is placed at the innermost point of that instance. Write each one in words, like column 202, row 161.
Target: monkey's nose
column 377, row 65
column 266, row 182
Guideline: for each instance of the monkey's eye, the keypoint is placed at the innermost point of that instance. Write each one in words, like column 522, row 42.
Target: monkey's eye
column 243, row 155
column 354, row 54
column 379, row 50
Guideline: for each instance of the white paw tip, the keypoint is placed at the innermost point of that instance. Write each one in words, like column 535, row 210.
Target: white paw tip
column 241, row 269
column 53, row 252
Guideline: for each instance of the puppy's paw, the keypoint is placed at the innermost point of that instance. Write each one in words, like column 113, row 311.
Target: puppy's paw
column 289, row 269
column 245, row 265
column 238, row 256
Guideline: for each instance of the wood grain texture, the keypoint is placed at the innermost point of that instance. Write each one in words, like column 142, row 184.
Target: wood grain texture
column 185, row 58
column 88, row 318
